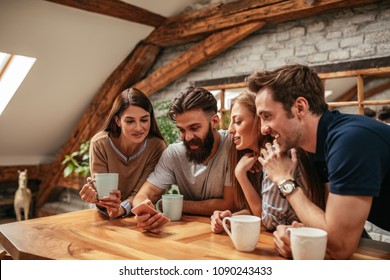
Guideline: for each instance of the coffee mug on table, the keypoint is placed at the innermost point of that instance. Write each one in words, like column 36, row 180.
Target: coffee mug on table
column 105, row 183
column 308, row 243
column 244, row 231
column 172, row 206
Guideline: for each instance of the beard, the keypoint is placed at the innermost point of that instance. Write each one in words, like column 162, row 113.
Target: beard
column 205, row 146
column 292, row 141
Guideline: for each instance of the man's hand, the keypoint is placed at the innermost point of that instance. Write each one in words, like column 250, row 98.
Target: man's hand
column 151, row 222
column 278, row 165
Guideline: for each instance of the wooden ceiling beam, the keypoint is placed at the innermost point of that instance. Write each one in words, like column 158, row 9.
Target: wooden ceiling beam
column 131, row 70
column 197, row 24
column 193, row 57
column 115, row 8
column 376, row 90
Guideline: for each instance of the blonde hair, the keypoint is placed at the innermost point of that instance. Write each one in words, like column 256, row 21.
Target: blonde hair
column 246, row 99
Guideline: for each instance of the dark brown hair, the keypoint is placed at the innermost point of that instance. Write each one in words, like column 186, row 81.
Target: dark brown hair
column 130, row 97
column 289, row 82
column 193, row 98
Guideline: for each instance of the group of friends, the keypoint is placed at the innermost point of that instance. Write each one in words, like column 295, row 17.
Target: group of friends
column 285, row 158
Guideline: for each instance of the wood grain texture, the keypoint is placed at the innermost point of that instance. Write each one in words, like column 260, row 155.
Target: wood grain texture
column 115, row 8
column 87, row 234
column 196, row 55
column 197, row 24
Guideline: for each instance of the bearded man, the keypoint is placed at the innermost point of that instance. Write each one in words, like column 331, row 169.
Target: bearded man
column 199, row 164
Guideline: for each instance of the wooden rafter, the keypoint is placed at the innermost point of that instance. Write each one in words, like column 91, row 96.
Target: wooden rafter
column 131, row 70
column 374, row 91
column 350, row 94
column 201, row 52
column 115, row 8
column 198, row 24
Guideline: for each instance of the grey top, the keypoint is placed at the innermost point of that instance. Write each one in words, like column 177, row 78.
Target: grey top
column 195, row 181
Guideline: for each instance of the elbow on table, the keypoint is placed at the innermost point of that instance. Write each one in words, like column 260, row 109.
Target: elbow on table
column 340, row 251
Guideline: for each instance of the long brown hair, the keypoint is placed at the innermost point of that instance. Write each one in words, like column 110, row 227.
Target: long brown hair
column 130, row 97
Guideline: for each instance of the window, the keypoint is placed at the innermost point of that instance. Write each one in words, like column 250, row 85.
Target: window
column 13, row 70
column 224, row 98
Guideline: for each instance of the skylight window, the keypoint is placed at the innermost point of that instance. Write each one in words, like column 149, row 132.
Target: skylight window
column 13, row 70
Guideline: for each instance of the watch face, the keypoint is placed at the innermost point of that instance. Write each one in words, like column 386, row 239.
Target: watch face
column 287, row 187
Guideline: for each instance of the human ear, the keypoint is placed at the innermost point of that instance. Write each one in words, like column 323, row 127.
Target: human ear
column 117, row 120
column 301, row 105
column 215, row 121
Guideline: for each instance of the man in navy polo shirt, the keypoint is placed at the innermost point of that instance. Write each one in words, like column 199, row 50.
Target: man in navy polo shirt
column 351, row 153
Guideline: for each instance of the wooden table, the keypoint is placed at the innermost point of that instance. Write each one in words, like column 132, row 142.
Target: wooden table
column 87, row 234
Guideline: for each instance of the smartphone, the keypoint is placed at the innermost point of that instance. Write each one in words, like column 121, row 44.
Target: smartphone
column 143, row 208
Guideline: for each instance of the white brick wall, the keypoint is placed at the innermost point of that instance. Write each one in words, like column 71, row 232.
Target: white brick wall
column 377, row 233
column 340, row 36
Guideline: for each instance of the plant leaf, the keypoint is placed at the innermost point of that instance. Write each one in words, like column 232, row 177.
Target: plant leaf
column 68, row 170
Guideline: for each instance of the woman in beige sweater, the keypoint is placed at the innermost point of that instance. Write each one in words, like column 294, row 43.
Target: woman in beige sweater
column 130, row 144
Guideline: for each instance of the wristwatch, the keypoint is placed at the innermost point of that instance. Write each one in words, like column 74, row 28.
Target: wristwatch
column 287, row 187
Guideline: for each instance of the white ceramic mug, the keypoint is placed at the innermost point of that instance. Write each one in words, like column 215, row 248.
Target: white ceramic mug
column 244, row 231
column 308, row 243
column 105, row 183
column 172, row 206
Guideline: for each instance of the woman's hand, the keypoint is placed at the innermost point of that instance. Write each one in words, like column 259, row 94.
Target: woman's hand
column 216, row 220
column 88, row 192
column 112, row 204
column 245, row 164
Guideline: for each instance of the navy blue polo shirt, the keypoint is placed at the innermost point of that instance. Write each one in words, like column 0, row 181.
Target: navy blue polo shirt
column 353, row 155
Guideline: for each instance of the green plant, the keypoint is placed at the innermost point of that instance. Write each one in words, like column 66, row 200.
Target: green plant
column 77, row 163
column 167, row 127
